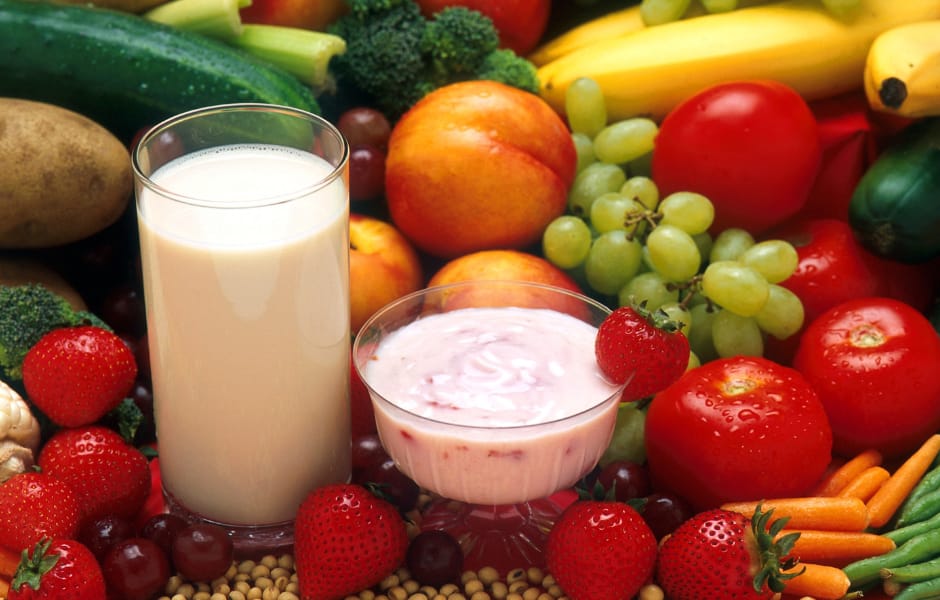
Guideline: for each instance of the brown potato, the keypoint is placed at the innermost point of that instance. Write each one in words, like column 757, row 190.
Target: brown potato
column 63, row 177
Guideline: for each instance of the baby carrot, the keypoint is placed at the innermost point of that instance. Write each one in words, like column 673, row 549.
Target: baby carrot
column 830, row 513
column 822, row 582
column 4, row 587
column 836, row 480
column 837, row 547
column 9, row 560
column 866, row 483
column 892, row 493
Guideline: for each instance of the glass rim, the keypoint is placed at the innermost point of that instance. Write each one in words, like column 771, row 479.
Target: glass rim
column 598, row 406
column 259, row 107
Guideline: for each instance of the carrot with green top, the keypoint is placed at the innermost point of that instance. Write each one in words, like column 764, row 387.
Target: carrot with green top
column 866, row 483
column 837, row 548
column 893, row 492
column 836, row 480
column 828, row 513
column 822, row 582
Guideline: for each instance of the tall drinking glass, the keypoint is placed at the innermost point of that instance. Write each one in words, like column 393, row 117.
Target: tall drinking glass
column 243, row 217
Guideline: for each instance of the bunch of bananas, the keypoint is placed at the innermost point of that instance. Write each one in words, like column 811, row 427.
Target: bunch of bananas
column 646, row 70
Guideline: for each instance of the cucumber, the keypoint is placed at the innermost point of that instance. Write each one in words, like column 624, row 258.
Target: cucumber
column 127, row 72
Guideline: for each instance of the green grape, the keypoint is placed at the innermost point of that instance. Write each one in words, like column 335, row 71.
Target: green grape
column 657, row 12
column 585, row 107
column 782, row 315
column 735, row 287
column 704, row 242
column 700, row 334
column 612, row 261
column 642, row 189
column 719, row 6
column 566, row 241
column 730, row 244
column 680, row 314
column 609, row 212
column 692, row 213
column 584, row 149
column 841, row 8
column 693, row 361
column 774, row 259
column 626, row 140
column 734, row 335
column 673, row 253
column 649, row 287
column 641, row 167
column 596, row 179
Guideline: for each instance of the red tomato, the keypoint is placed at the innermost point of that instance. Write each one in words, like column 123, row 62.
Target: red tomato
column 740, row 428
column 520, row 23
column 751, row 147
column 875, row 363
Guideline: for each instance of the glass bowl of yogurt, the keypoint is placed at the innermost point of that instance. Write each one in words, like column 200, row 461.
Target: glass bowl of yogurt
column 488, row 393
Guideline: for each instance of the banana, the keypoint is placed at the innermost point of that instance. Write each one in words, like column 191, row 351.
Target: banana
column 798, row 42
column 902, row 73
column 611, row 25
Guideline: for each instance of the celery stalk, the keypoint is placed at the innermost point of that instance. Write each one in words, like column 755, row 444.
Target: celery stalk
column 218, row 19
column 303, row 52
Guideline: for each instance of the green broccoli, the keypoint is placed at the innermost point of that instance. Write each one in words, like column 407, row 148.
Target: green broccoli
column 394, row 55
column 27, row 312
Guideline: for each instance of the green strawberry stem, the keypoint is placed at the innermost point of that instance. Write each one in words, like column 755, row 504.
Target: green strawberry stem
column 774, row 553
column 32, row 568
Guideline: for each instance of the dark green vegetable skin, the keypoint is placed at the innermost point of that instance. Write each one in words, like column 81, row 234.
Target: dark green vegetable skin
column 126, row 72
column 895, row 210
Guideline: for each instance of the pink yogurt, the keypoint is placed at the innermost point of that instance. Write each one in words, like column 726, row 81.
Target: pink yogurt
column 492, row 405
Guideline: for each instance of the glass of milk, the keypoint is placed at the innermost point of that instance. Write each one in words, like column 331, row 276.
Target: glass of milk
column 243, row 220
column 488, row 393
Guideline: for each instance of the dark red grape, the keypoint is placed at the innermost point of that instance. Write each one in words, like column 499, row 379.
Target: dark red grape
column 400, row 490
column 365, row 126
column 142, row 356
column 136, row 569
column 104, row 532
column 434, row 558
column 628, row 480
column 366, row 173
column 664, row 512
column 162, row 528
column 202, row 552
column 367, row 451
column 123, row 309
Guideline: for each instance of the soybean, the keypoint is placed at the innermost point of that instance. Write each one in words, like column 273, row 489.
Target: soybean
column 914, row 573
column 917, row 549
column 924, row 590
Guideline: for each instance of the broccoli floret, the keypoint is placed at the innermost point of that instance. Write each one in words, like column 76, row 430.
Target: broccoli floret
column 457, row 40
column 396, row 56
column 27, row 312
column 507, row 67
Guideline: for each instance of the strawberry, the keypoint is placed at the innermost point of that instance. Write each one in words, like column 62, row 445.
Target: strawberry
column 109, row 476
column 56, row 569
column 600, row 550
column 646, row 350
column 36, row 505
column 724, row 554
column 76, row 375
column 346, row 539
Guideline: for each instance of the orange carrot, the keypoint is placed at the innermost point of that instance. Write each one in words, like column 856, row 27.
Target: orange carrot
column 818, row 581
column 837, row 479
column 837, row 548
column 4, row 587
column 9, row 560
column 829, row 513
column 891, row 494
column 866, row 483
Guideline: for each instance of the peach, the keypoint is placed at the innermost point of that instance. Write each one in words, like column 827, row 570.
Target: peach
column 477, row 165
column 383, row 266
column 306, row 14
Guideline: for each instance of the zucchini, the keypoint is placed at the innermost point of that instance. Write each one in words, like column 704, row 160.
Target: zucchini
column 127, row 72
column 895, row 208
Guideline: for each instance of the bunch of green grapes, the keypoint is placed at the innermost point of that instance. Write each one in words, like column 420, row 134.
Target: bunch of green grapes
column 657, row 12
column 626, row 244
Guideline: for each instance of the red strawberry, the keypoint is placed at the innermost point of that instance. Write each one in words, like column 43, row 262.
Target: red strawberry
column 644, row 349
column 56, row 569
column 34, row 506
column 76, row 375
column 601, row 550
column 723, row 554
column 346, row 539
column 109, row 476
